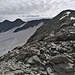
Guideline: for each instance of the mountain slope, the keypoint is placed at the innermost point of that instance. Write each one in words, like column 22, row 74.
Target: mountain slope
column 14, row 37
column 59, row 25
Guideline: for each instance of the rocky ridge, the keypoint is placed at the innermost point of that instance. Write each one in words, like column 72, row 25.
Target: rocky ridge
column 46, row 56
column 60, row 28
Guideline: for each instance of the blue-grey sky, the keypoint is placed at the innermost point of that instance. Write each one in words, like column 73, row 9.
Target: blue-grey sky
column 46, row 8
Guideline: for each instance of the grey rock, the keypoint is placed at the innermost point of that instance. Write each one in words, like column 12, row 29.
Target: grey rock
column 70, row 68
column 31, row 73
column 47, row 56
column 37, row 74
column 53, row 46
column 49, row 71
column 10, row 73
column 62, row 50
column 27, row 70
column 20, row 57
column 34, row 59
column 18, row 72
column 35, row 50
column 27, row 65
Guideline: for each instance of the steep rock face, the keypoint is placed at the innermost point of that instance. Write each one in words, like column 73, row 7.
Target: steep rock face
column 47, row 56
column 61, row 27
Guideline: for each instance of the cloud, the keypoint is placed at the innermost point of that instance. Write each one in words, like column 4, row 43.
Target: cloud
column 20, row 6
column 47, row 8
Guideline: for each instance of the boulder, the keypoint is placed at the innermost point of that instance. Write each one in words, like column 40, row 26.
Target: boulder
column 18, row 72
column 27, row 71
column 34, row 50
column 34, row 59
column 49, row 71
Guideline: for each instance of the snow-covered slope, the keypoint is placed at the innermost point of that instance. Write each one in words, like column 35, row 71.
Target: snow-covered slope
column 50, row 51
column 17, row 32
column 9, row 40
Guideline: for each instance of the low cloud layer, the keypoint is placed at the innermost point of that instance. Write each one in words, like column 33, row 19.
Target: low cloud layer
column 48, row 8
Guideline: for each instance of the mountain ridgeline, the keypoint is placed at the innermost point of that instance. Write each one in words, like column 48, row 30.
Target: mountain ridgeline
column 7, row 25
column 19, row 24
column 61, row 27
column 31, row 24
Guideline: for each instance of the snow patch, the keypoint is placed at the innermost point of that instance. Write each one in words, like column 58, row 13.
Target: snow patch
column 62, row 17
column 74, row 24
column 67, row 14
column 72, row 18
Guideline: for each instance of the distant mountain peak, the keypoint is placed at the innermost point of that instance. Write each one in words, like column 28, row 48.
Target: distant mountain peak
column 5, row 21
column 18, row 20
column 7, row 25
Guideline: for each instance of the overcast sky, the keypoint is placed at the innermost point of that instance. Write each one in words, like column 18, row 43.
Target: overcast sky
column 46, row 8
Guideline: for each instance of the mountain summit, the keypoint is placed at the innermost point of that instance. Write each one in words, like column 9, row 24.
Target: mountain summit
column 61, row 27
